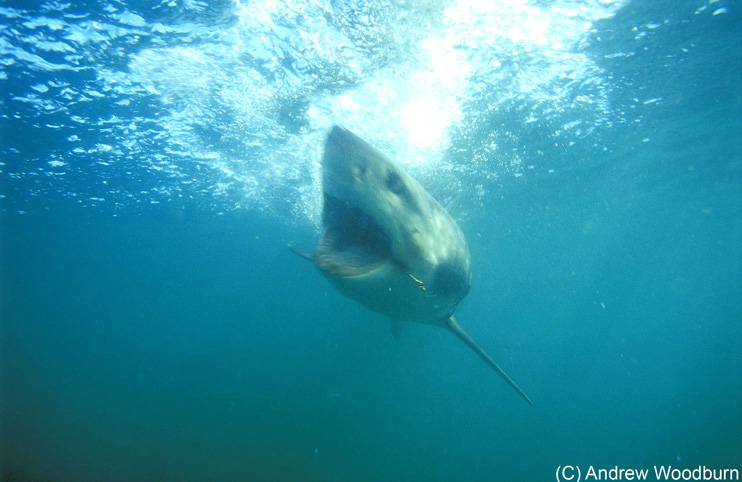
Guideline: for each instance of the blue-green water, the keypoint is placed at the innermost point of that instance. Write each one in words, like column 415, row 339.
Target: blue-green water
column 157, row 157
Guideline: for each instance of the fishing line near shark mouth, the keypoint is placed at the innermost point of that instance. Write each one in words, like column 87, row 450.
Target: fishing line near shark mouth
column 353, row 245
column 387, row 244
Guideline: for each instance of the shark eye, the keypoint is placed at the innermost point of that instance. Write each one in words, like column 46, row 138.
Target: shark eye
column 396, row 184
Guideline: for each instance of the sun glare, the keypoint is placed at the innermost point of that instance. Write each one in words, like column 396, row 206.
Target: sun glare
column 425, row 122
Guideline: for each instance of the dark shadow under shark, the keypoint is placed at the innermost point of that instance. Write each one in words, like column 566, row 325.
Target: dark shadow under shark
column 388, row 244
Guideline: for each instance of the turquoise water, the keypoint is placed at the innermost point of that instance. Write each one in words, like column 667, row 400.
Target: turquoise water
column 157, row 157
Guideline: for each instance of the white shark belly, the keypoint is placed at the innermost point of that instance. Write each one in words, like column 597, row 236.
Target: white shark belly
column 390, row 291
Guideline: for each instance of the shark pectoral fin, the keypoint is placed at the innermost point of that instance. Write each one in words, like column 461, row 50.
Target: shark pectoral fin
column 300, row 252
column 397, row 329
column 453, row 325
column 454, row 204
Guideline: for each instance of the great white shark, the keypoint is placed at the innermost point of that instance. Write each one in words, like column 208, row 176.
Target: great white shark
column 387, row 244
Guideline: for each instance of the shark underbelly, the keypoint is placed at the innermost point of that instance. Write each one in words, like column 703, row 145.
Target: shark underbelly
column 392, row 292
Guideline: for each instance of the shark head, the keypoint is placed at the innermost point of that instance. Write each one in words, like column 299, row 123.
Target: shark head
column 381, row 225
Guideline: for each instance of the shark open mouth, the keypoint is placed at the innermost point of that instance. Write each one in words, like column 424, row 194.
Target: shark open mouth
column 352, row 243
